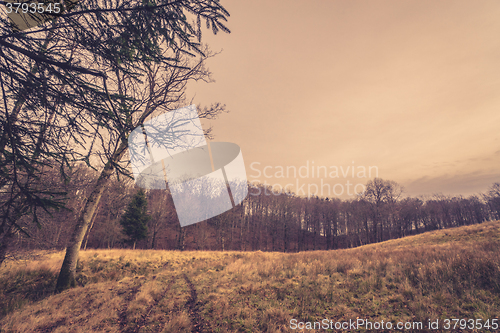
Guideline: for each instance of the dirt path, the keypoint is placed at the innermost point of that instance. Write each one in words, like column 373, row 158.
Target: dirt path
column 199, row 324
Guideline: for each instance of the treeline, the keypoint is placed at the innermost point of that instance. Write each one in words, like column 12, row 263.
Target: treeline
column 266, row 220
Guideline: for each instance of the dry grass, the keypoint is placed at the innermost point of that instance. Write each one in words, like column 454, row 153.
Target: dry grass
column 441, row 274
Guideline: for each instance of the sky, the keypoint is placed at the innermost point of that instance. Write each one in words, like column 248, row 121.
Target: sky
column 409, row 90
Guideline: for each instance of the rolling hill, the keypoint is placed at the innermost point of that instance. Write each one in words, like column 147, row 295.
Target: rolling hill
column 428, row 278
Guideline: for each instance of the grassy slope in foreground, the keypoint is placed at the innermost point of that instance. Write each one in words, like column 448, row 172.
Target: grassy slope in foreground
column 452, row 273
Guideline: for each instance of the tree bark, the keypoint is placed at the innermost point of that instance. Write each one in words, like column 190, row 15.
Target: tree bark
column 67, row 274
column 90, row 228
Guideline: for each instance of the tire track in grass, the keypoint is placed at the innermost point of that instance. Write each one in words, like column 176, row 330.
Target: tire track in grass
column 122, row 315
column 49, row 328
column 123, row 320
column 199, row 324
column 144, row 318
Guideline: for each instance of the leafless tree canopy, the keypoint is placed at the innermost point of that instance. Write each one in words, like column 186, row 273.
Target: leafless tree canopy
column 269, row 221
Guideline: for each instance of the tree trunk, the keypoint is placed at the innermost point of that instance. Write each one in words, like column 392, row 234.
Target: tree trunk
column 90, row 228
column 67, row 274
column 285, row 235
column 5, row 240
column 180, row 239
column 153, row 243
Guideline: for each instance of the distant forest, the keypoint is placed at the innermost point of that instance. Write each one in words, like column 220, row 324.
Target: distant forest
column 270, row 221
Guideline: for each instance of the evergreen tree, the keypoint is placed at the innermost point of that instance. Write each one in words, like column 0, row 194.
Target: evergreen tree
column 135, row 219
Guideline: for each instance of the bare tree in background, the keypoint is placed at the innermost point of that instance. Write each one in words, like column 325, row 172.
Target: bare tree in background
column 493, row 198
column 381, row 194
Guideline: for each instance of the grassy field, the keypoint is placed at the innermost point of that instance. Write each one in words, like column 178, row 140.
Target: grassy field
column 453, row 273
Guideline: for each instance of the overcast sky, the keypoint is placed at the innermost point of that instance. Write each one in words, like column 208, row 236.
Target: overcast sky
column 409, row 87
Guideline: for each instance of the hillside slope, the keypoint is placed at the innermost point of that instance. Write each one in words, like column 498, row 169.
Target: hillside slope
column 452, row 273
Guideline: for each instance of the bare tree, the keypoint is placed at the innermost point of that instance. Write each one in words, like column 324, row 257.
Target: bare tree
column 380, row 193
column 58, row 94
column 493, row 198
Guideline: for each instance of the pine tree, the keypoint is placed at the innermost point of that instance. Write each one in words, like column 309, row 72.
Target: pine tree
column 135, row 219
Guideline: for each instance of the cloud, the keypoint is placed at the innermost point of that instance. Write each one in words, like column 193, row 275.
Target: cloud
column 465, row 184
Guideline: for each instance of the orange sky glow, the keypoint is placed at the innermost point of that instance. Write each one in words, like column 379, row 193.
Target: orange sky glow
column 411, row 88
